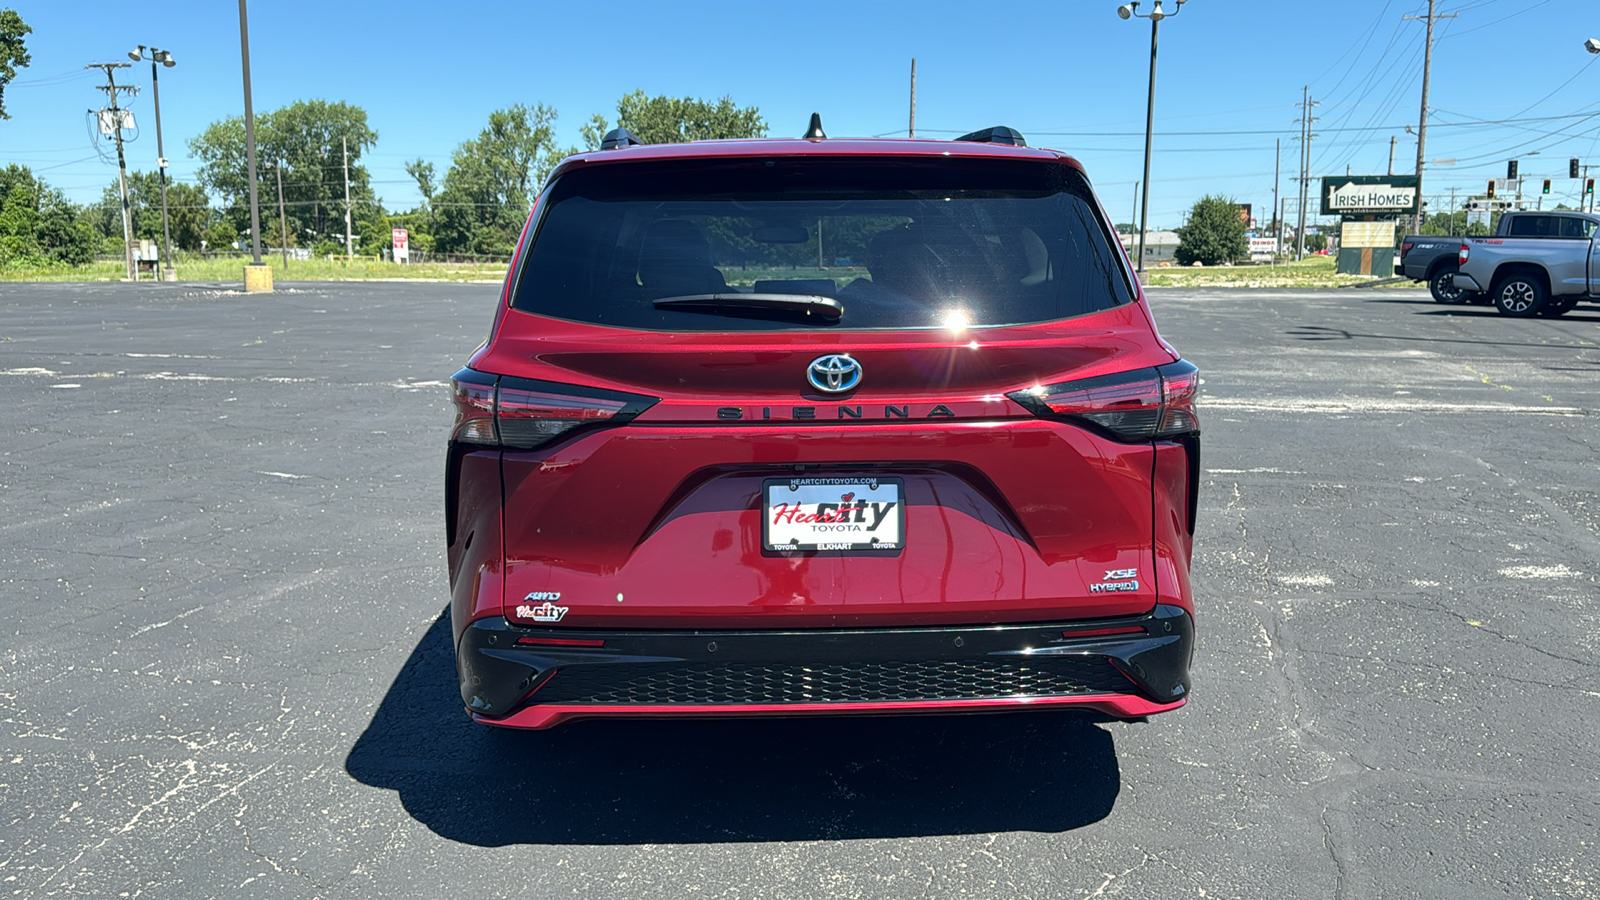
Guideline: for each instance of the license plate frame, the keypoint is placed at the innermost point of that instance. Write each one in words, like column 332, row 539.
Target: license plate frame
column 868, row 527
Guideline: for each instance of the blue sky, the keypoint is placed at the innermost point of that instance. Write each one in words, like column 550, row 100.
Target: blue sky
column 1510, row 77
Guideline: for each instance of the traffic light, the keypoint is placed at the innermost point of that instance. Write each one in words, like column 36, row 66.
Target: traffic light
column 1511, row 170
column 1491, row 189
column 1572, row 168
column 1547, row 186
column 1588, row 186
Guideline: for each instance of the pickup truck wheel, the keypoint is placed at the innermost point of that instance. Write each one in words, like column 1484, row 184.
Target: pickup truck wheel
column 1555, row 307
column 1518, row 295
column 1442, row 287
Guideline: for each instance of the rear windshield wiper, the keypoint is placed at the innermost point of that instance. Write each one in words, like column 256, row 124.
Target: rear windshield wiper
column 807, row 307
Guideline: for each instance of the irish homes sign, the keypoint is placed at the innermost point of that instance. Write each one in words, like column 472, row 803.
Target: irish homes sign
column 1347, row 195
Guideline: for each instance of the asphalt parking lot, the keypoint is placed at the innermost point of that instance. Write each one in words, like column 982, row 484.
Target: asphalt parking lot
column 224, row 671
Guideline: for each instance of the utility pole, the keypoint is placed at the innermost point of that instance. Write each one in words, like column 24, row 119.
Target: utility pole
column 1133, row 222
column 1277, row 166
column 1306, row 119
column 912, row 130
column 111, row 88
column 1391, row 154
column 1422, row 119
column 1300, row 194
column 282, row 217
column 349, row 242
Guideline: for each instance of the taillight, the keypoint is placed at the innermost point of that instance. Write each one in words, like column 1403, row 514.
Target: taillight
column 1133, row 406
column 473, row 393
column 1405, row 247
column 522, row 413
column 1461, row 257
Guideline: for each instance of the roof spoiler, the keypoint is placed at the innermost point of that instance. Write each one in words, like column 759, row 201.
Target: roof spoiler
column 999, row 134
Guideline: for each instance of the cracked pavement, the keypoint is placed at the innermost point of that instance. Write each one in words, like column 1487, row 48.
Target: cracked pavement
column 224, row 673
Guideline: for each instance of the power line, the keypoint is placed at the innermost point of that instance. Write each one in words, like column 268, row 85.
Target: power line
column 1371, row 30
column 1503, row 18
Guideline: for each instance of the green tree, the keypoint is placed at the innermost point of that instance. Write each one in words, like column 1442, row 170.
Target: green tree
column 592, row 132
column 13, row 52
column 418, row 229
column 484, row 200
column 674, row 120
column 1215, row 233
column 221, row 235
column 308, row 139
column 1445, row 223
column 38, row 222
column 423, row 173
column 19, row 223
column 189, row 211
column 374, row 231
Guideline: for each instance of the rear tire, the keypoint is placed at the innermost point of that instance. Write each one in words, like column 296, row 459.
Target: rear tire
column 1554, row 307
column 1519, row 296
column 1442, row 287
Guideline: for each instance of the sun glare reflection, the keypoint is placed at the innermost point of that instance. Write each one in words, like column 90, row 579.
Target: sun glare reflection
column 956, row 321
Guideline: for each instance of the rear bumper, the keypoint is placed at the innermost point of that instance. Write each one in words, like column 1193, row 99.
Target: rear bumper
column 538, row 677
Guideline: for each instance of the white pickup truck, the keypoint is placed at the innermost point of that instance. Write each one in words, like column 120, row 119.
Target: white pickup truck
column 1538, row 263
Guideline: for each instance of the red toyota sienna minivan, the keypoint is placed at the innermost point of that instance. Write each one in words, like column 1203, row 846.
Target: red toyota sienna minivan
column 821, row 426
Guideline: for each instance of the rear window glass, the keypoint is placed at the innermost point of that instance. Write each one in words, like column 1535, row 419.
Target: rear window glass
column 1551, row 226
column 886, row 243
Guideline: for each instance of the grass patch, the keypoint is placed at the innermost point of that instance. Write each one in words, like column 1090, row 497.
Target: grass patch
column 747, row 277
column 232, row 269
column 1313, row 271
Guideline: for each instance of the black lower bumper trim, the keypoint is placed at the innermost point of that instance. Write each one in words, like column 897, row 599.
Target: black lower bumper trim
column 1149, row 657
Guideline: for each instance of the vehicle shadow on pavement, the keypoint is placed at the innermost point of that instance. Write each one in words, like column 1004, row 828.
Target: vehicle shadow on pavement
column 695, row 781
column 1329, row 333
column 1577, row 315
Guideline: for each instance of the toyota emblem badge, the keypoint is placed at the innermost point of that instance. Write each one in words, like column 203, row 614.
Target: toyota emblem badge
column 834, row 373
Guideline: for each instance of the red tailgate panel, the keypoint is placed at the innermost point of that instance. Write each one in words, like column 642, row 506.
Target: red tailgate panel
column 1006, row 521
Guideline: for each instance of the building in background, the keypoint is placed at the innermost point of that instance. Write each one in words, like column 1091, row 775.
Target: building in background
column 1159, row 247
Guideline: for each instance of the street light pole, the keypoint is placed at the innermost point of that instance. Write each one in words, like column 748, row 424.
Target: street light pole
column 1155, row 15
column 163, row 58
column 249, row 134
column 257, row 275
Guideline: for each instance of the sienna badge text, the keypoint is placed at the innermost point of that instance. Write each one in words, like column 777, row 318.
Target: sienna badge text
column 544, row 612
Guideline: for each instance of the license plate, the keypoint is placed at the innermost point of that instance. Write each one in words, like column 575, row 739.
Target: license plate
column 833, row 513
